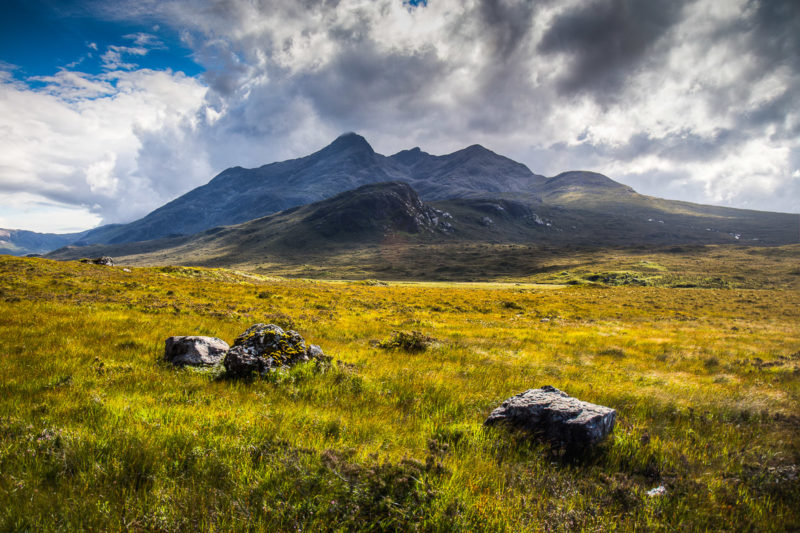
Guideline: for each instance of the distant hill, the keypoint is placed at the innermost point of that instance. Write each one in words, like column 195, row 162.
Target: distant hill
column 578, row 184
column 21, row 242
column 393, row 213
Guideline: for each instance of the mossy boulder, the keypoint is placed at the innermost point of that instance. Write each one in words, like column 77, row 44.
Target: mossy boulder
column 266, row 347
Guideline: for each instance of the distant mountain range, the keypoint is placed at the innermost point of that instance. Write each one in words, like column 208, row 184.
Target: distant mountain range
column 21, row 242
column 581, row 208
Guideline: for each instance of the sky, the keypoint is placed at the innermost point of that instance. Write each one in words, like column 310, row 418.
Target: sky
column 109, row 109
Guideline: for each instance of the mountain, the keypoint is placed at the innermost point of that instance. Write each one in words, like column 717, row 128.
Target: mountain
column 21, row 242
column 578, row 185
column 391, row 213
column 472, row 172
column 369, row 214
column 583, row 208
column 238, row 194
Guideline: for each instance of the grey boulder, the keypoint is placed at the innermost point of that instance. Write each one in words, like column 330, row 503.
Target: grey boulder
column 194, row 350
column 105, row 261
column 266, row 347
column 557, row 417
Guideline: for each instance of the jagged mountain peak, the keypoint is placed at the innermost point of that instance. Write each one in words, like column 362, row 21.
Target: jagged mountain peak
column 476, row 149
column 410, row 157
column 349, row 141
column 480, row 154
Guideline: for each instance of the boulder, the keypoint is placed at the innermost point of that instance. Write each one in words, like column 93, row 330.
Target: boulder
column 557, row 417
column 266, row 347
column 194, row 350
column 105, row 260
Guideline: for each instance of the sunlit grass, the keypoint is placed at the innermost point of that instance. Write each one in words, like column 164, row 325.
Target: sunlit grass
column 97, row 433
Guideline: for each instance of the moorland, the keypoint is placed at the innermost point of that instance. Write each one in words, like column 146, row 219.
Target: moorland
column 696, row 347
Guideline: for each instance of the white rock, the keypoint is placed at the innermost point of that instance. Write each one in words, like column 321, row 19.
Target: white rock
column 556, row 416
column 195, row 350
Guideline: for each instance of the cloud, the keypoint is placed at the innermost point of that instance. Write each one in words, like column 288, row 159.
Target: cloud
column 76, row 139
column 606, row 40
column 685, row 99
column 33, row 212
column 143, row 43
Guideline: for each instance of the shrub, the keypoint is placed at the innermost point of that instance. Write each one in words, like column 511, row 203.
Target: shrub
column 409, row 341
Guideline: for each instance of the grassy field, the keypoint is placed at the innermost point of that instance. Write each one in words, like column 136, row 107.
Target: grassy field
column 687, row 266
column 96, row 433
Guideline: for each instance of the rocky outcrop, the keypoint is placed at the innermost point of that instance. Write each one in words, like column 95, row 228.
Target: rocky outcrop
column 383, row 208
column 266, row 347
column 557, row 417
column 194, row 350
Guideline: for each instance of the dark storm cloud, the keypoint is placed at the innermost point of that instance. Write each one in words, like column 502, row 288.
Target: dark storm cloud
column 777, row 32
column 606, row 40
column 367, row 87
column 775, row 38
column 773, row 112
column 506, row 25
column 768, row 32
column 503, row 95
column 680, row 147
column 225, row 71
column 683, row 146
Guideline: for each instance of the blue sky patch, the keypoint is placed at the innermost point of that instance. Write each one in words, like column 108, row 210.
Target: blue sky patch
column 39, row 40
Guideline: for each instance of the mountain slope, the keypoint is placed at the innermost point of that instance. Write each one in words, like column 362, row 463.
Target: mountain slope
column 375, row 215
column 238, row 194
column 370, row 213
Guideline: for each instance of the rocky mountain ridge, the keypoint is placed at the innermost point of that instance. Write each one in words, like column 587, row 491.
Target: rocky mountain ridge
column 237, row 194
column 580, row 207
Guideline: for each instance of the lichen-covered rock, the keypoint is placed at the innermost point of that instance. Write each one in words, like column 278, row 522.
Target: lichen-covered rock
column 265, row 347
column 194, row 350
column 554, row 415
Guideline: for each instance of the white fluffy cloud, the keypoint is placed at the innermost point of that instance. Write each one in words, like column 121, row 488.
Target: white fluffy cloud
column 687, row 100
column 76, row 141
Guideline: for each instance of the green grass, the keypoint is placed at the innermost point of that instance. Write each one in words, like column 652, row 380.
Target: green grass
column 96, row 433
